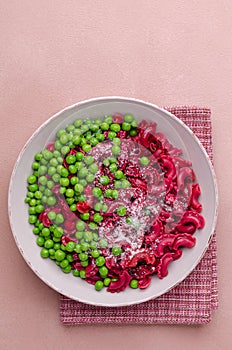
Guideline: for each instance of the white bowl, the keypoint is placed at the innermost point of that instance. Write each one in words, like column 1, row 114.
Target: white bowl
column 178, row 134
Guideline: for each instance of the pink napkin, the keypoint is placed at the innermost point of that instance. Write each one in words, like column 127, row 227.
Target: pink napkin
column 190, row 302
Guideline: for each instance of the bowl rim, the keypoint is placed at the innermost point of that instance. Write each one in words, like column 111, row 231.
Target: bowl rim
column 112, row 98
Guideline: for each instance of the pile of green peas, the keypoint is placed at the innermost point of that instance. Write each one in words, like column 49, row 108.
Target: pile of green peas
column 73, row 172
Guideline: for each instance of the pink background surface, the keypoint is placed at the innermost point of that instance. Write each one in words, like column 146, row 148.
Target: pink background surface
column 55, row 53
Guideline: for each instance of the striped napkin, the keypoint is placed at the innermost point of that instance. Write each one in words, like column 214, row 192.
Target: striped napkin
column 190, row 302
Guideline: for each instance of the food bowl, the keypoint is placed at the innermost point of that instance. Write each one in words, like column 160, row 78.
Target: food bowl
column 178, row 134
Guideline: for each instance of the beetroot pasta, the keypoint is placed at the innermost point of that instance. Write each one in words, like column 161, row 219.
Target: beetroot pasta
column 113, row 202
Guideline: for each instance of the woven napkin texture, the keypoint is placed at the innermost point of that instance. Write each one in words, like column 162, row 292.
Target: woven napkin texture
column 190, row 302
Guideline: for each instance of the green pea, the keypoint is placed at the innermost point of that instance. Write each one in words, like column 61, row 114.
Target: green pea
column 126, row 126
column 50, row 184
column 97, row 217
column 39, row 208
column 88, row 236
column 116, row 141
column 113, row 168
column 51, row 200
column 79, row 156
column 72, row 169
column 134, row 124
column 98, row 206
column 85, row 246
column 86, row 148
column 78, row 248
column 71, row 159
column 93, row 168
column 111, row 134
column 115, row 127
column 76, row 140
column 117, row 184
column 105, row 126
column 32, row 210
column 97, row 192
column 77, row 123
column 100, row 261
column 114, row 194
column 40, row 241
column 44, row 253
column 38, row 156
column 103, row 243
column 58, row 145
column 108, row 193
column 31, row 179
column 73, row 207
column 106, row 281
column 90, row 178
column 33, row 202
column 51, row 215
column 65, row 150
column 95, row 253
column 99, row 285
column 104, row 180
column 118, row 174
column 67, row 269
column 83, row 182
column 79, row 235
column 33, row 188
column 49, row 243
column 63, row 172
column 32, row 219
column 64, row 263
column 70, row 246
column 94, row 141
column 74, row 180
column 103, row 271
column 116, row 150
column 85, row 216
column 116, row 251
column 128, row 118
column 100, row 137
column 59, row 255
column 95, row 236
column 45, row 232
column 93, row 245
column 133, row 132
column 76, row 273
column 134, row 284
column 69, row 192
column 42, row 170
column 82, row 274
column 36, row 230
column 58, row 232
column 80, row 225
column 64, row 138
column 83, row 256
column 64, row 181
column 125, row 184
column 85, row 263
column 59, row 219
column 106, row 162
column 83, row 172
column 93, row 226
column 35, row 166
column 104, row 208
column 78, row 188
column 108, row 119
column 144, row 161
column 47, row 192
column 121, row 211
column 81, row 198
